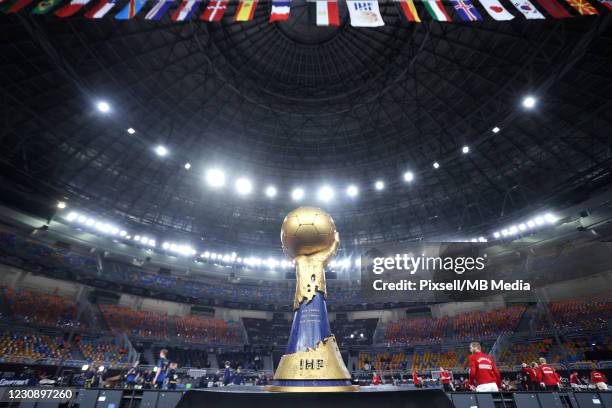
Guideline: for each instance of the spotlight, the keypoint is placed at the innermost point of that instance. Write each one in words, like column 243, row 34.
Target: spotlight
column 122, row 233
column 522, row 227
column 379, row 185
column 61, row 205
column 72, row 216
column 187, row 166
column 161, row 150
column 529, row 102
column 271, row 191
column 513, row 230
column 436, row 165
column 243, row 186
column 531, row 224
column 352, row 191
column 482, row 239
column 496, row 129
column 550, row 218
column 137, row 238
column 297, row 194
column 465, row 149
column 539, row 220
column 504, row 232
column 82, row 219
column 90, row 222
column 165, row 245
column 215, row 178
column 131, row 131
column 103, row 106
column 408, row 176
column 325, row 193
column 496, row 234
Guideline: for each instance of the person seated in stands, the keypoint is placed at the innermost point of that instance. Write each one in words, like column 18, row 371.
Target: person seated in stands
column 160, row 369
column 376, row 380
column 172, row 375
column 574, row 381
column 132, row 376
column 227, row 374
column 549, row 378
column 445, row 380
column 599, row 379
column 262, row 380
column 484, row 375
column 532, row 375
column 238, row 379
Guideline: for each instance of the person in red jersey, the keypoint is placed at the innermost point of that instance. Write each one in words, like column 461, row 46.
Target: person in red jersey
column 575, row 382
column 376, row 380
column 445, row 380
column 484, row 375
column 549, row 380
column 415, row 379
column 599, row 379
column 532, row 373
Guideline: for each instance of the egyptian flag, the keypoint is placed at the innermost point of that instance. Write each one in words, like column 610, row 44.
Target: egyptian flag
column 496, row 10
column 245, row 10
column 130, row 10
column 71, row 8
column 408, row 10
column 527, row 9
column 324, row 12
column 45, row 6
column 553, row 8
column 436, row 10
column 466, row 10
column 214, row 10
column 185, row 10
column 280, row 10
column 583, row 7
column 158, row 10
column 606, row 3
column 13, row 7
column 103, row 7
column 365, row 13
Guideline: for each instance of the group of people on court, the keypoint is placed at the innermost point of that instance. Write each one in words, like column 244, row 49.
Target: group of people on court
column 163, row 376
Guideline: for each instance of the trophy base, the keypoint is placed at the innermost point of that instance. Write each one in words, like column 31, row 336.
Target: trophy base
column 295, row 388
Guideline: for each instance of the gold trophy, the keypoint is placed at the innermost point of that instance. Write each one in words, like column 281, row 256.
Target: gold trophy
column 312, row 362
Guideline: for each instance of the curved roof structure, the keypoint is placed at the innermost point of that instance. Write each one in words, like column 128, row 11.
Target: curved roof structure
column 293, row 104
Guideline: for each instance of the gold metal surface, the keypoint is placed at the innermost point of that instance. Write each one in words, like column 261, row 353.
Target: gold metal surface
column 307, row 230
column 333, row 388
column 321, row 363
column 310, row 273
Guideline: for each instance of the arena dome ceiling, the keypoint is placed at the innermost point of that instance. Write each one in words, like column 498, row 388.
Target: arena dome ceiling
column 298, row 105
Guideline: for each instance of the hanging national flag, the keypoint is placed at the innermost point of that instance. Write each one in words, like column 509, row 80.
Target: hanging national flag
column 324, row 12
column 527, row 9
column 45, row 6
column 606, row 3
column 214, row 10
column 496, row 10
column 17, row 5
column 364, row 13
column 408, row 10
column 71, row 8
column 159, row 9
column 466, row 10
column 185, row 10
column 103, row 7
column 436, row 10
column 583, row 7
column 245, row 10
column 553, row 8
column 280, row 10
column 130, row 10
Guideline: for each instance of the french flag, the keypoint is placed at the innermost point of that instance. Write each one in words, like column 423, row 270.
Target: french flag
column 158, row 10
column 280, row 10
column 71, row 8
column 185, row 10
column 103, row 7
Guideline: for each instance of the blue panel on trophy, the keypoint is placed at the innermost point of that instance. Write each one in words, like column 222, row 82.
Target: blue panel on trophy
column 310, row 325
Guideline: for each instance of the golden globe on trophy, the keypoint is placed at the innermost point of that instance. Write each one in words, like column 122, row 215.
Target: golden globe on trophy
column 312, row 362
